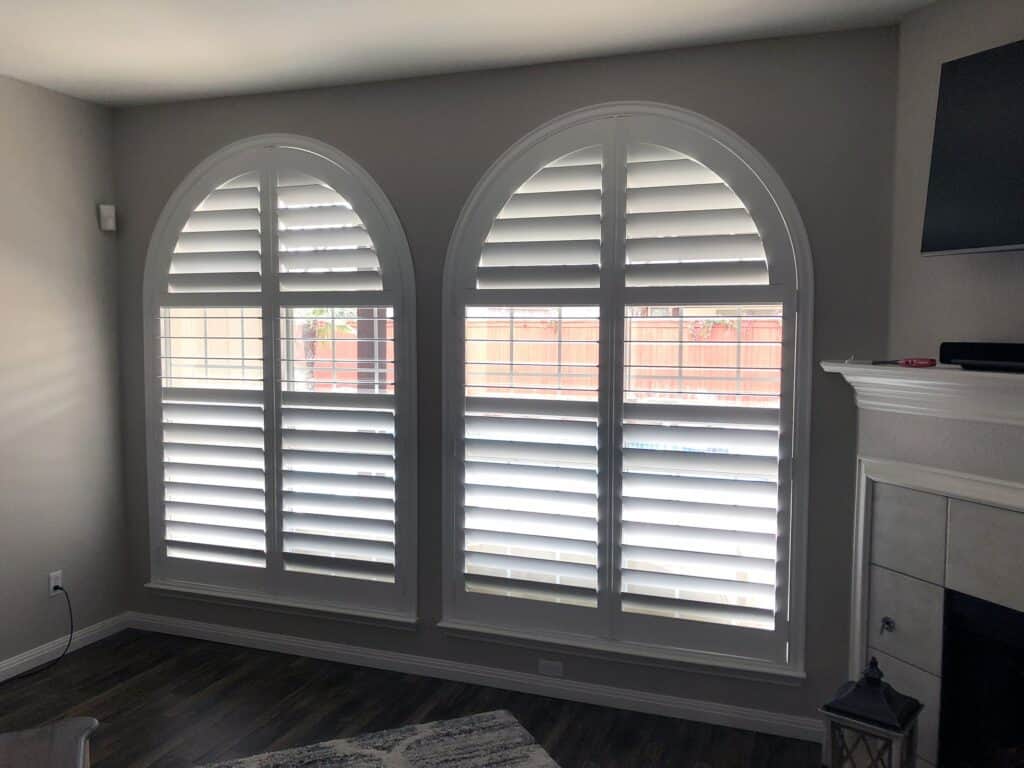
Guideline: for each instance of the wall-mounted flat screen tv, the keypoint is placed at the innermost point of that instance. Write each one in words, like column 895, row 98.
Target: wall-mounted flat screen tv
column 976, row 187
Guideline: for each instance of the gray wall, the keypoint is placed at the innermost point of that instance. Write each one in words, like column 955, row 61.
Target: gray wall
column 60, row 475
column 820, row 108
column 974, row 297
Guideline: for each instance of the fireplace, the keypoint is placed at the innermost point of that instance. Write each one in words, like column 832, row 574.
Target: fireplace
column 982, row 721
column 938, row 580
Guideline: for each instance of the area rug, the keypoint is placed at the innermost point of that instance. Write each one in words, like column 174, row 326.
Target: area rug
column 490, row 740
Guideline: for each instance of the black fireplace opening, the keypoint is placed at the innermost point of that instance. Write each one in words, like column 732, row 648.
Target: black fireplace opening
column 982, row 709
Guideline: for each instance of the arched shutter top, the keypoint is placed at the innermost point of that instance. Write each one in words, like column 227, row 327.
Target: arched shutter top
column 219, row 247
column 548, row 234
column 322, row 243
column 319, row 239
column 677, row 221
column 685, row 226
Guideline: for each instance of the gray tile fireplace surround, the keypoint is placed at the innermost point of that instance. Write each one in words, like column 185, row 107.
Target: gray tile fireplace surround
column 940, row 505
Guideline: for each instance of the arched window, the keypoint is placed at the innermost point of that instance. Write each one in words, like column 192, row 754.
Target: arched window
column 278, row 307
column 627, row 364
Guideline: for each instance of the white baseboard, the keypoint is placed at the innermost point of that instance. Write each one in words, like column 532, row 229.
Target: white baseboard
column 41, row 654
column 747, row 718
column 793, row 726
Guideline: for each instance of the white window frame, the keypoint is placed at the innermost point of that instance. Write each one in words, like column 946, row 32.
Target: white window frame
column 791, row 284
column 388, row 603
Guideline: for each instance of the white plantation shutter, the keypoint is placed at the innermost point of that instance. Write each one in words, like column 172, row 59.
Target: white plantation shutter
column 685, row 226
column 284, row 425
column 338, row 443
column 700, row 477
column 337, row 399
column 218, row 248
column 531, row 458
column 548, row 234
column 531, row 407
column 634, row 488
column 213, row 435
column 323, row 245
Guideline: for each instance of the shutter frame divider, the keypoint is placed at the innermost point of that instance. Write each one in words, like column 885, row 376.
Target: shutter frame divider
column 271, row 367
column 613, row 278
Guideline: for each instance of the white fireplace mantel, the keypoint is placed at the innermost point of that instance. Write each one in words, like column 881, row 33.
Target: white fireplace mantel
column 943, row 391
column 923, row 525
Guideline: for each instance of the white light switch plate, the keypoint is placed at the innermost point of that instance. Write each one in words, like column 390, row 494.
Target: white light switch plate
column 108, row 217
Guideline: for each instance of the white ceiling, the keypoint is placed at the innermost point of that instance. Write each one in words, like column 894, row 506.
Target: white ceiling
column 131, row 51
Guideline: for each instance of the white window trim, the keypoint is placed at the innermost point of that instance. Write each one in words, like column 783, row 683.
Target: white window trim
column 396, row 265
column 490, row 193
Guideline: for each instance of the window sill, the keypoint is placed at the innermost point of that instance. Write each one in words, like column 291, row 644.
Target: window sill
column 220, row 595
column 632, row 653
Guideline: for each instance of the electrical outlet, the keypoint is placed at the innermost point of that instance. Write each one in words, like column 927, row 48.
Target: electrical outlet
column 549, row 667
column 56, row 580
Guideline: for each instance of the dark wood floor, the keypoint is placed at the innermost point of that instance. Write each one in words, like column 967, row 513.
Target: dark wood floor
column 170, row 701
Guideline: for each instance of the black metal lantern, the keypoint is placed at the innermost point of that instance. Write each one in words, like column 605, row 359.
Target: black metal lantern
column 869, row 724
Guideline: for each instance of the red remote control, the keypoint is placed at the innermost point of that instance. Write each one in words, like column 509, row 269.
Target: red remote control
column 908, row 362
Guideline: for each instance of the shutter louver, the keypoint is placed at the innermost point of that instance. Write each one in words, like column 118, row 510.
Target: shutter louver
column 338, row 442
column 213, row 435
column 685, row 226
column 700, row 438
column 531, row 453
column 322, row 244
column 218, row 249
column 549, row 232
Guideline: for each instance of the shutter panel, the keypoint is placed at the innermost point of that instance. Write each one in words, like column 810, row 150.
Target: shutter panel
column 700, row 463
column 338, row 442
column 530, row 451
column 218, row 249
column 337, row 399
column 549, row 232
column 213, row 434
column 685, row 226
column 322, row 244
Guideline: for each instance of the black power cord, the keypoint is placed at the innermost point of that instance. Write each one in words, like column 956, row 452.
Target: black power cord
column 71, row 634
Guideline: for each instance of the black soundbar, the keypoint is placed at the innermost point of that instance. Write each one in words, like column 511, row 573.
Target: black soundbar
column 983, row 356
